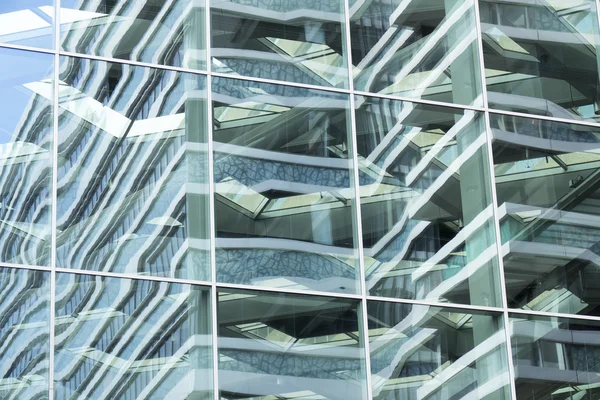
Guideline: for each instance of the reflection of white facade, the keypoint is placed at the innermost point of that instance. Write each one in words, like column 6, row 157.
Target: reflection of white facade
column 296, row 173
column 424, row 48
column 567, row 359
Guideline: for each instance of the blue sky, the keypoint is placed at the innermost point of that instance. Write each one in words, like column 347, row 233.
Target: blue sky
column 18, row 67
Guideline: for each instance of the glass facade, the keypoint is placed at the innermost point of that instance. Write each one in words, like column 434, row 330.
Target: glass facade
column 284, row 200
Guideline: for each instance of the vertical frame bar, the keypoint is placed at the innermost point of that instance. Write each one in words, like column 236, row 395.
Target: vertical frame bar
column 492, row 177
column 54, row 195
column 597, row 3
column 211, row 207
column 364, row 317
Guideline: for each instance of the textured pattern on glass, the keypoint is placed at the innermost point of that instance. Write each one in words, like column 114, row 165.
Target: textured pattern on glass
column 284, row 200
column 289, row 346
column 287, row 40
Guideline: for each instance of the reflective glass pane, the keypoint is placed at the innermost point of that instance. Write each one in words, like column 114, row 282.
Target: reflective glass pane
column 162, row 32
column 424, row 49
column 131, row 339
column 555, row 358
column 283, row 346
column 288, row 40
column 548, row 187
column 27, row 22
column 422, row 352
column 284, row 199
column 425, row 193
column 132, row 170
column 25, row 156
column 541, row 57
column 24, row 333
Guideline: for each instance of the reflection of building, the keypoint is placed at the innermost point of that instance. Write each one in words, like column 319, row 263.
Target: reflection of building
column 335, row 200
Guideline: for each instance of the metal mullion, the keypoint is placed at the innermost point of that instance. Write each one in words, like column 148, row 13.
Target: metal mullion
column 502, row 282
column 347, row 91
column 357, row 214
column 545, row 118
column 106, row 274
column 133, row 63
column 498, row 237
column 458, row 306
column 213, row 262
column 492, row 181
column 53, row 227
column 28, row 267
column 419, row 101
column 211, row 207
column 280, row 83
column 301, row 292
column 306, row 86
column 597, row 4
column 549, row 314
column 26, row 48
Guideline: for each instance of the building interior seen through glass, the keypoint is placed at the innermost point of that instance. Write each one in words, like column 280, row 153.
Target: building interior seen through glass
column 300, row 200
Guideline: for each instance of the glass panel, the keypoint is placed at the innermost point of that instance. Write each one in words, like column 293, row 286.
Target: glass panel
column 423, row 49
column 541, row 57
column 427, row 215
column 555, row 358
column 131, row 339
column 422, row 352
column 280, row 346
column 27, row 22
column 132, row 192
column 25, row 156
column 548, row 187
column 288, row 40
column 159, row 32
column 24, row 333
column 284, row 199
